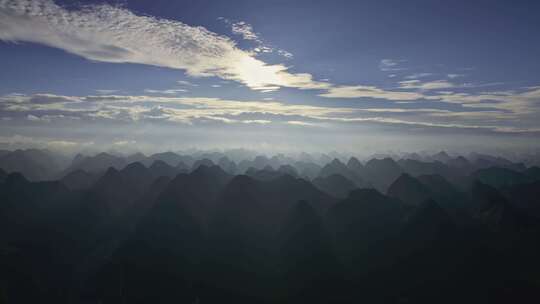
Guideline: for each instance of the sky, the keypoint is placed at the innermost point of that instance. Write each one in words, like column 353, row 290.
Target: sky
column 276, row 75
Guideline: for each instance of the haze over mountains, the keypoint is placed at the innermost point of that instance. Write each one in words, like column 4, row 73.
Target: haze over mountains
column 234, row 227
column 181, row 151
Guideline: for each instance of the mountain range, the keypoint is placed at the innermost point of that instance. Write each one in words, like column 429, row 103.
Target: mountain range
column 178, row 228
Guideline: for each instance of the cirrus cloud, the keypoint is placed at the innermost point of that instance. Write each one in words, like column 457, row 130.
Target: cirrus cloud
column 113, row 34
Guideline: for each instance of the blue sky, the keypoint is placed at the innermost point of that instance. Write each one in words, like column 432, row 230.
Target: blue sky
column 313, row 75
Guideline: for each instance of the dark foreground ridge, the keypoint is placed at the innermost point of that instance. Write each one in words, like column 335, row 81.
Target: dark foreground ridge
column 217, row 228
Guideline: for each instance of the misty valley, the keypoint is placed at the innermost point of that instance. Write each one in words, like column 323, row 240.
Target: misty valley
column 238, row 227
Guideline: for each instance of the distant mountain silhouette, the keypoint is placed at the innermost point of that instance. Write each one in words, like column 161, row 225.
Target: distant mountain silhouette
column 364, row 226
column 160, row 168
column 265, row 174
column 501, row 177
column 177, row 228
column 173, row 159
column 36, row 165
column 461, row 163
column 382, row 172
column 335, row 185
column 202, row 162
column 416, row 168
column 97, row 163
column 442, row 157
column 339, row 168
column 494, row 211
column 355, row 166
column 79, row 179
column 227, row 165
column 289, row 170
column 307, row 170
column 409, row 190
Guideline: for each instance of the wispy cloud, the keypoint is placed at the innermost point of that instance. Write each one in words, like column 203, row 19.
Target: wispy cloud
column 113, row 34
column 187, row 83
column 418, row 75
column 475, row 114
column 390, row 65
column 424, row 86
column 369, row 92
column 106, row 92
column 166, row 92
column 246, row 31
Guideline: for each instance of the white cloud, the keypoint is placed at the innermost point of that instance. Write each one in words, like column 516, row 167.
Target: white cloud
column 369, row 92
column 418, row 75
column 32, row 117
column 112, row 34
column 106, row 92
column 500, row 112
column 124, row 142
column 166, row 92
column 18, row 141
column 285, row 54
column 425, row 86
column 245, row 30
column 301, row 123
column 187, row 83
column 389, row 65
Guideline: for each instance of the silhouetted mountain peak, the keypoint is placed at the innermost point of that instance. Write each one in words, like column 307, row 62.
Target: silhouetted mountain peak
column 16, row 178
column 159, row 164
column 354, row 164
column 335, row 167
column 135, row 168
column 137, row 155
column 78, row 158
column 212, row 176
column 336, row 162
column 202, row 162
column 500, row 177
column 181, row 166
column 288, row 169
column 442, row 157
column 387, row 161
column 226, row 164
column 79, row 179
column 104, row 155
column 335, row 184
column 408, row 189
column 268, row 168
column 112, row 175
column 204, row 170
column 240, row 184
